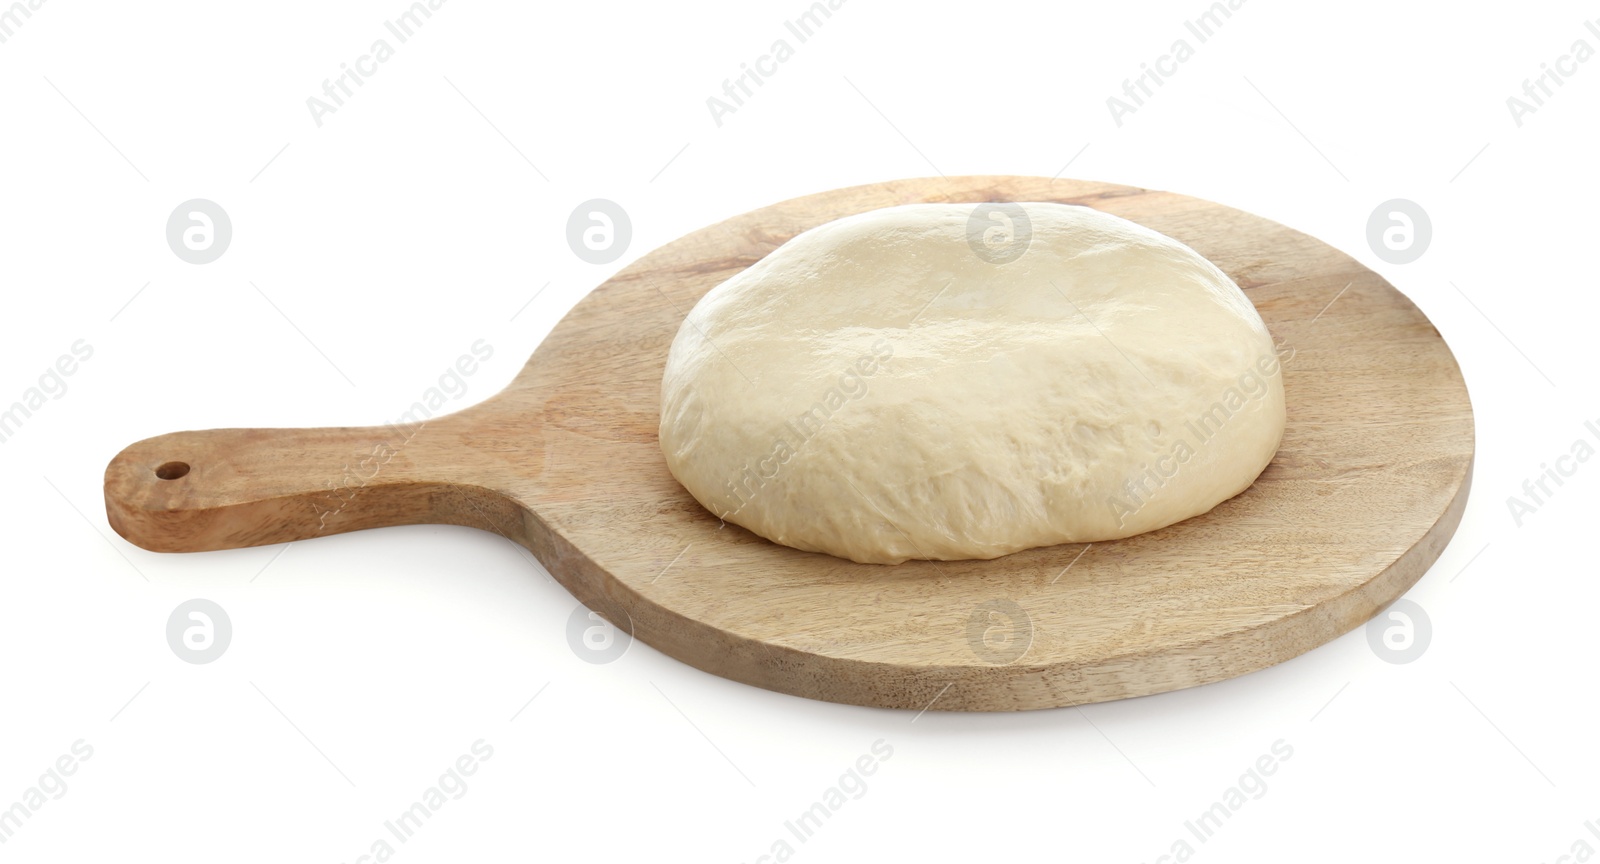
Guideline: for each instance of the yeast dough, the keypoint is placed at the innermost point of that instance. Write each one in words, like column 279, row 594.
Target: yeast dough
column 955, row 381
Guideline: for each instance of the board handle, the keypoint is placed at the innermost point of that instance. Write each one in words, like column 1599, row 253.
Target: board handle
column 229, row 488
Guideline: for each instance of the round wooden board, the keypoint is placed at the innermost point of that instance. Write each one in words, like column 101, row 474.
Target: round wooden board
column 1362, row 497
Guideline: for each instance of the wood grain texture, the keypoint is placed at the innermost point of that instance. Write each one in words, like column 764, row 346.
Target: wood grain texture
column 1365, row 492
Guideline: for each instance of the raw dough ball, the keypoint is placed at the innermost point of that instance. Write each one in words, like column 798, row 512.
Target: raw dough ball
column 903, row 383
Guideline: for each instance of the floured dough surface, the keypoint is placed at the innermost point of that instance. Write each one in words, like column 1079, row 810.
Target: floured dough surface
column 955, row 381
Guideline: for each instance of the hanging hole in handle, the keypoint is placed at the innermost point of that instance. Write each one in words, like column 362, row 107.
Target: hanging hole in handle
column 172, row 470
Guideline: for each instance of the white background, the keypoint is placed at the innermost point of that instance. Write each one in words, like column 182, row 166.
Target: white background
column 410, row 224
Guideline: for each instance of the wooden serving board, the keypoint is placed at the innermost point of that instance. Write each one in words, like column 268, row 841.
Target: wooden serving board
column 1367, row 489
